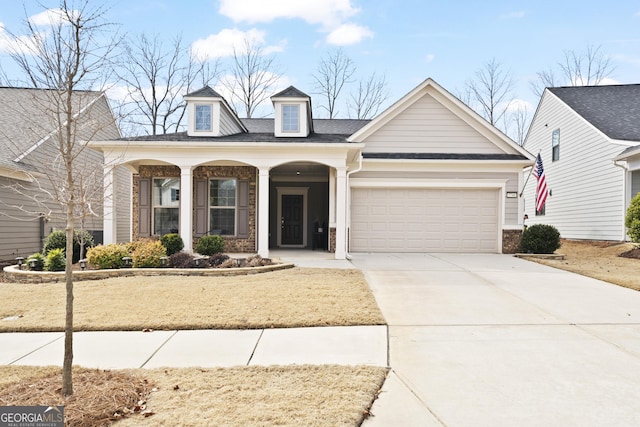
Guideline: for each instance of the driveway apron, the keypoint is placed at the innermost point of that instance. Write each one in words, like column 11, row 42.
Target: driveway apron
column 493, row 340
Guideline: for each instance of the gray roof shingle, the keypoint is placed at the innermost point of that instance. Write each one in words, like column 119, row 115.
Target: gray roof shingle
column 614, row 110
column 261, row 130
column 205, row 92
column 291, row 92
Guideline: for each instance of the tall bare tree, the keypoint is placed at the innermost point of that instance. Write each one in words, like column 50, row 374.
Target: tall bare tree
column 519, row 123
column 253, row 76
column 491, row 92
column 368, row 97
column 157, row 76
column 335, row 70
column 578, row 68
column 71, row 56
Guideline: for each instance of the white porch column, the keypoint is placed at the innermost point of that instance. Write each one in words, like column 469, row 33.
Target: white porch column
column 341, row 213
column 263, row 212
column 109, row 208
column 332, row 198
column 186, row 207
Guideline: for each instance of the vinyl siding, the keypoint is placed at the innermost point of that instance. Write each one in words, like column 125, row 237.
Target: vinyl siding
column 19, row 231
column 428, row 127
column 228, row 125
column 587, row 200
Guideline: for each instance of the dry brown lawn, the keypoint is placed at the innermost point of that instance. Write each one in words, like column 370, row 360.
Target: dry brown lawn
column 600, row 260
column 295, row 297
column 242, row 396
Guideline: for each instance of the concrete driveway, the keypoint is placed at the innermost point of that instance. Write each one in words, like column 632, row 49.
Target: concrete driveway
column 492, row 340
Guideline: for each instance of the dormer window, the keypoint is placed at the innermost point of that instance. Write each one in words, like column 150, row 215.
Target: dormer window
column 203, row 118
column 291, row 118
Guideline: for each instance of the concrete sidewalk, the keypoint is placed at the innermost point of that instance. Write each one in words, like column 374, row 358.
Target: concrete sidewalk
column 348, row 345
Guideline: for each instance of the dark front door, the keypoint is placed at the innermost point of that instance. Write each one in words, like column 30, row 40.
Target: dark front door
column 292, row 219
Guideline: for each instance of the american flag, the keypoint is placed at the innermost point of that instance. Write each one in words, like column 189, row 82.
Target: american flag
column 541, row 188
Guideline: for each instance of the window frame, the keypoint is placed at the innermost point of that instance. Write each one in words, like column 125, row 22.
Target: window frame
column 555, row 145
column 154, row 206
column 196, row 121
column 212, row 207
column 286, row 123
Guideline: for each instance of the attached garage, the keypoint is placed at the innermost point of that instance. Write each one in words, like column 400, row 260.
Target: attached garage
column 425, row 220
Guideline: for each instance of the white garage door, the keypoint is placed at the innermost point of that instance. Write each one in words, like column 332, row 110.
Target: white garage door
column 424, row 220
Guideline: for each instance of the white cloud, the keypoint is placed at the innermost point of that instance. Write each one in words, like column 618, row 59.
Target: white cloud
column 222, row 44
column 347, row 34
column 520, row 104
column 50, row 17
column 20, row 44
column 328, row 13
column 430, row 57
column 331, row 15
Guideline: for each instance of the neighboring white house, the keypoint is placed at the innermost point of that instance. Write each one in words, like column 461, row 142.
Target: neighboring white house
column 589, row 141
column 28, row 156
column 428, row 174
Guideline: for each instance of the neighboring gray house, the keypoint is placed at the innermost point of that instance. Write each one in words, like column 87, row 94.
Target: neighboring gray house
column 29, row 161
column 426, row 175
column 589, row 140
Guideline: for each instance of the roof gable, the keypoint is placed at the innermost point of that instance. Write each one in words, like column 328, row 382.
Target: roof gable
column 291, row 92
column 431, row 120
column 614, row 110
column 205, row 92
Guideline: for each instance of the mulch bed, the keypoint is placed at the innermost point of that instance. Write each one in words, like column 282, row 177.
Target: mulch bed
column 100, row 397
column 633, row 253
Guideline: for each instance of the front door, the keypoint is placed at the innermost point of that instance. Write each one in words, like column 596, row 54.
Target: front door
column 292, row 221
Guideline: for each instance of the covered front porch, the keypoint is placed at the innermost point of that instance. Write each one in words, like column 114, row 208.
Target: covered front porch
column 258, row 198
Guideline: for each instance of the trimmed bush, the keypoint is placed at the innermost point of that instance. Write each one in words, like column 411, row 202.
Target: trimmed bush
column 39, row 259
column 55, row 260
column 181, row 260
column 148, row 253
column 210, row 245
column 540, row 239
column 173, row 242
column 632, row 219
column 58, row 240
column 107, row 256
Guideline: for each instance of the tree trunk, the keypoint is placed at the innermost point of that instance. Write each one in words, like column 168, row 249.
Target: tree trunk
column 67, row 379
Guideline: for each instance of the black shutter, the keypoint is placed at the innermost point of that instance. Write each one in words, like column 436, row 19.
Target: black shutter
column 243, row 209
column 144, row 207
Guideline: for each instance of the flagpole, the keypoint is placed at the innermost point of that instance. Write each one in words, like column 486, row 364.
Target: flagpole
column 529, row 176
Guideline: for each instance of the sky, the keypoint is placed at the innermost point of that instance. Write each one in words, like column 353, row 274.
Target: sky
column 407, row 41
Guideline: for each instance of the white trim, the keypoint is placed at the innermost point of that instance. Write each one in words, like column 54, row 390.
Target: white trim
column 428, row 183
column 302, row 191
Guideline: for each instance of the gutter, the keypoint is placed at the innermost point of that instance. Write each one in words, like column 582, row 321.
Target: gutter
column 625, row 169
column 348, row 201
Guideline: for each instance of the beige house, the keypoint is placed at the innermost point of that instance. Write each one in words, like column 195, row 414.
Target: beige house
column 30, row 167
column 426, row 175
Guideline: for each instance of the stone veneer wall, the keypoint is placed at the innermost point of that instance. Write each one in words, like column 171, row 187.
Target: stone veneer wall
column 511, row 241
column 231, row 244
column 332, row 239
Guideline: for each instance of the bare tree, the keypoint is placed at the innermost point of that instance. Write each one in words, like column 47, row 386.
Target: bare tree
column 334, row 71
column 519, row 123
column 73, row 55
column 370, row 94
column 157, row 76
column 253, row 75
column 588, row 67
column 492, row 91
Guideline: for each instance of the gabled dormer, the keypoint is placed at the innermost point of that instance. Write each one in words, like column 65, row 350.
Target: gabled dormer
column 210, row 115
column 292, row 113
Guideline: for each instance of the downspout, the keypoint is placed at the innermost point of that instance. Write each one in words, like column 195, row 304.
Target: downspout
column 626, row 200
column 348, row 202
